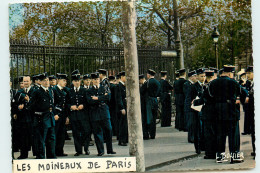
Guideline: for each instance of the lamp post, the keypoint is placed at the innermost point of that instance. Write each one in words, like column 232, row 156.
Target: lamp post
column 215, row 36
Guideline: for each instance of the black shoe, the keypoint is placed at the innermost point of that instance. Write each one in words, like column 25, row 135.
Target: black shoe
column 243, row 133
column 209, row 157
column 22, row 157
column 112, row 152
column 253, row 154
column 198, row 151
column 100, row 154
column 77, row 154
column 122, row 144
column 87, row 152
column 63, row 154
column 68, row 138
column 190, row 141
column 236, row 160
column 145, row 138
column 91, row 144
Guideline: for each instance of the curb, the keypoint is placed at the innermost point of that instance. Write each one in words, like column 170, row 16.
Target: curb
column 159, row 165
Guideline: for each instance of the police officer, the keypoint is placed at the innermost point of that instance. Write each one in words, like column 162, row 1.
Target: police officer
column 42, row 105
column 179, row 100
column 79, row 118
column 225, row 92
column 121, row 102
column 53, row 80
column 13, row 120
column 151, row 90
column 197, row 90
column 86, row 81
column 103, row 78
column 97, row 98
column 24, row 117
column 113, row 106
column 188, row 112
column 143, row 109
column 165, row 99
column 208, row 117
column 20, row 80
column 250, row 110
column 37, row 81
column 61, row 117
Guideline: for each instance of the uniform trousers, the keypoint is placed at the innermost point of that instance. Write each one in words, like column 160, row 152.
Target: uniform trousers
column 99, row 127
column 81, row 131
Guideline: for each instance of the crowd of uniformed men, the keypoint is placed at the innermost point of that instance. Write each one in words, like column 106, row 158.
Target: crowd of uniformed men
column 207, row 107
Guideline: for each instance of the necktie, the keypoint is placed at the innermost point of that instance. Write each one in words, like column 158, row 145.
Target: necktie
column 26, row 90
column 76, row 90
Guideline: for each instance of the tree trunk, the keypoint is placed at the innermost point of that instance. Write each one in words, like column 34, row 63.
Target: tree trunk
column 132, row 85
column 177, row 35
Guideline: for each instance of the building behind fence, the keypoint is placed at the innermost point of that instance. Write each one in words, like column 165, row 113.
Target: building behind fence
column 29, row 57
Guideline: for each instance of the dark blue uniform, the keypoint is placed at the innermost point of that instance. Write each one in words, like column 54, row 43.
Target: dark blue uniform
column 165, row 99
column 179, row 101
column 24, row 122
column 79, row 119
column 143, row 112
column 197, row 90
column 121, row 102
column 42, row 105
column 100, row 117
column 188, row 112
column 14, row 109
column 113, row 109
column 209, row 118
column 251, row 112
column 60, row 108
column 151, row 90
column 224, row 92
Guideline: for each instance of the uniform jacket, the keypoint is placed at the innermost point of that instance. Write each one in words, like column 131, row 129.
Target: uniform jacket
column 25, row 114
column 77, row 98
column 98, row 108
column 166, row 88
column 224, row 92
column 42, row 107
column 121, row 97
column 178, row 91
column 60, row 101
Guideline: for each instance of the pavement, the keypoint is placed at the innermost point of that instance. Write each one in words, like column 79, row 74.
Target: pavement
column 170, row 151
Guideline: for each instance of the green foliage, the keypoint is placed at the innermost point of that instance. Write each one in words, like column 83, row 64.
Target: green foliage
column 100, row 23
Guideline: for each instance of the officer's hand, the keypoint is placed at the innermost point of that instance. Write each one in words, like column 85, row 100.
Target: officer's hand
column 21, row 106
column 94, row 97
column 237, row 101
column 26, row 98
column 74, row 108
column 80, row 107
column 67, row 121
column 247, row 100
column 56, row 117
column 15, row 116
column 192, row 102
column 123, row 112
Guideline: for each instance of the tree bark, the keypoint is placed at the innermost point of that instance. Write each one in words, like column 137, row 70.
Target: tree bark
column 132, row 85
column 177, row 35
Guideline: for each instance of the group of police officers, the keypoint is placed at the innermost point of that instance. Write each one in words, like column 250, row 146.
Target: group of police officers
column 207, row 107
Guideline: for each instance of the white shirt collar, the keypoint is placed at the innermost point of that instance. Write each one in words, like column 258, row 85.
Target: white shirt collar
column 96, row 86
column 76, row 88
column 200, row 83
column 122, row 82
column 191, row 81
column 28, row 89
column 46, row 89
column 59, row 87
